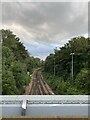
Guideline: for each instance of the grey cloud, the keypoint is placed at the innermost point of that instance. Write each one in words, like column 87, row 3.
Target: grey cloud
column 47, row 22
column 57, row 17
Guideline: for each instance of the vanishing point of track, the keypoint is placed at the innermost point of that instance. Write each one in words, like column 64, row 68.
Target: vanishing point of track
column 38, row 86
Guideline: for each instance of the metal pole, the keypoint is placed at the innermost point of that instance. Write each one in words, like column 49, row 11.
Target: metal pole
column 72, row 67
column 54, row 66
column 24, row 107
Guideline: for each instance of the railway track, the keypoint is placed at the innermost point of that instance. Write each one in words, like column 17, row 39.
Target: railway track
column 38, row 86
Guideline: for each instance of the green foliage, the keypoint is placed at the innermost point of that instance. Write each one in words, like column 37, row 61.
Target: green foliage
column 9, row 83
column 16, row 63
column 63, row 64
column 82, row 81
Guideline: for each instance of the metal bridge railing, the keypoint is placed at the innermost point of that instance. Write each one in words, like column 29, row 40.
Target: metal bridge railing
column 50, row 105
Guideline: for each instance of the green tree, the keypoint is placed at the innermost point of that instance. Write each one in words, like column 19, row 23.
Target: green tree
column 63, row 65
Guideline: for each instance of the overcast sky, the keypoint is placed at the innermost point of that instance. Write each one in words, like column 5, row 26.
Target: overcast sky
column 45, row 26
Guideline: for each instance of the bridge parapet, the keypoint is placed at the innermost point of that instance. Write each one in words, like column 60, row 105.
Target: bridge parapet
column 48, row 105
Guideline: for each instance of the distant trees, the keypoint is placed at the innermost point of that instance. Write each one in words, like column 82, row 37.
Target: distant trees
column 78, row 46
column 16, row 63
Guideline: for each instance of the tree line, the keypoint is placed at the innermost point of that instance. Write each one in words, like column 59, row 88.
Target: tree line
column 17, row 64
column 58, row 67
